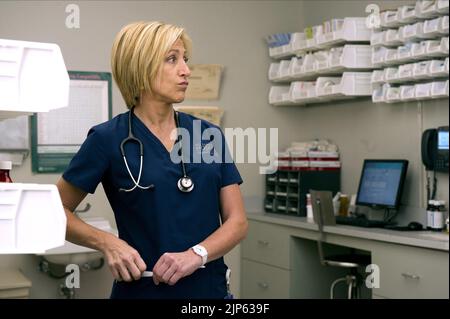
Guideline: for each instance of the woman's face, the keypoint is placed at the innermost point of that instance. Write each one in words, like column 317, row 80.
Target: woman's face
column 172, row 80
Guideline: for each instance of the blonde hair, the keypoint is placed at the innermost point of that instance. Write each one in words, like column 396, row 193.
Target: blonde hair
column 137, row 55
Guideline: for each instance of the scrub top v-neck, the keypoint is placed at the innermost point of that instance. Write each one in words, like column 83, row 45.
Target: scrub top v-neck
column 162, row 219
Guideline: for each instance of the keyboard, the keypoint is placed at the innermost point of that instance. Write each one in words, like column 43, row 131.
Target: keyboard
column 360, row 221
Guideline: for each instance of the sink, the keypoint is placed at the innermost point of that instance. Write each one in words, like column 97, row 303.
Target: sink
column 71, row 253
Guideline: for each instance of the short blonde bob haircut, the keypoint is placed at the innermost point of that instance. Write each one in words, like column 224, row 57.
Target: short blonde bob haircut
column 138, row 53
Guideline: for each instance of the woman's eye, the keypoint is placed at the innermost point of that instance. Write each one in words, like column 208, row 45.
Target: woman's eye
column 186, row 59
column 171, row 59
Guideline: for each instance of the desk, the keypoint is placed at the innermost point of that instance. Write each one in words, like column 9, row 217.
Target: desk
column 280, row 259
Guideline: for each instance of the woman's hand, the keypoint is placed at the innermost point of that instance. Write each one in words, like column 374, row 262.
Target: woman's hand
column 171, row 267
column 123, row 260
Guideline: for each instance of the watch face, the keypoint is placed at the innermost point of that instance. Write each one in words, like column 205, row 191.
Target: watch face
column 200, row 251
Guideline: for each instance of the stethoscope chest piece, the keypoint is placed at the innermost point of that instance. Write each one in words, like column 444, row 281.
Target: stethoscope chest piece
column 185, row 184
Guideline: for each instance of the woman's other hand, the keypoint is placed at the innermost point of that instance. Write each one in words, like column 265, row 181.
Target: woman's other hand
column 171, row 267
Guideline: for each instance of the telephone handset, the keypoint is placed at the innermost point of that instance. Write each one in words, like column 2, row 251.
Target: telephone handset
column 429, row 145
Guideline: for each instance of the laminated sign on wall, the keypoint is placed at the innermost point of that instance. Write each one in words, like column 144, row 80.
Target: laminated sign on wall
column 204, row 82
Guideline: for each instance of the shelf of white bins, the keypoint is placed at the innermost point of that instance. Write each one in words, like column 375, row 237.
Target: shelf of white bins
column 411, row 92
column 408, row 14
column 331, row 62
column 33, row 78
column 325, row 89
column 353, row 29
column 424, row 50
column 422, row 30
column 412, row 72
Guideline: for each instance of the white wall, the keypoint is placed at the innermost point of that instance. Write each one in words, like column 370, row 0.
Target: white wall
column 225, row 32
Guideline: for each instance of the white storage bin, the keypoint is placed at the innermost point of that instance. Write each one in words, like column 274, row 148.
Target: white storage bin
column 404, row 53
column 407, row 14
column 442, row 6
column 392, row 38
column 411, row 32
column 378, row 54
column 391, row 74
column 298, row 40
column 405, row 72
column 299, row 90
column 443, row 25
column 407, row 93
column 379, row 93
column 419, row 49
column 435, row 48
column 438, row 68
column 324, row 85
column 322, row 58
column 276, row 94
column 390, row 19
column 33, row 77
column 377, row 77
column 377, row 38
column 295, row 68
column 444, row 45
column 355, row 84
column 426, row 9
column 391, row 57
column 280, row 52
column 393, row 95
column 351, row 56
column 431, row 28
column 273, row 71
column 421, row 70
column 309, row 64
column 422, row 91
column 352, row 30
column 439, row 89
column 283, row 73
column 32, row 218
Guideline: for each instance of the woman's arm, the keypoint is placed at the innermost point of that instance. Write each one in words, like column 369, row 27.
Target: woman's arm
column 234, row 227
column 173, row 266
column 124, row 261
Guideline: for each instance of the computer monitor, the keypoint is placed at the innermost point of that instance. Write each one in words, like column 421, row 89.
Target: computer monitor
column 381, row 183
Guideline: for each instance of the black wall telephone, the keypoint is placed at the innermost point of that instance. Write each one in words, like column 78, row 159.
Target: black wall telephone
column 435, row 149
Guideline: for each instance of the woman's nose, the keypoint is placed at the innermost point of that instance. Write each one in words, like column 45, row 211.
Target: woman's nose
column 184, row 70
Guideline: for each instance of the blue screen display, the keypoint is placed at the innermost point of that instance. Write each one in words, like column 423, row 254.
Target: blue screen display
column 443, row 140
column 380, row 183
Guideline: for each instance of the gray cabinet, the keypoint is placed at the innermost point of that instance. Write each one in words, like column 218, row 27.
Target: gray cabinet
column 411, row 272
column 279, row 260
column 265, row 262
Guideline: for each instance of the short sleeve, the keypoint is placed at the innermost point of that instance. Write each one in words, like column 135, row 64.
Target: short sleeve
column 88, row 166
column 229, row 171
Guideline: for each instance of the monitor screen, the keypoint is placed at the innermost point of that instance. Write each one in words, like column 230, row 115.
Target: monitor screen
column 381, row 183
column 443, row 140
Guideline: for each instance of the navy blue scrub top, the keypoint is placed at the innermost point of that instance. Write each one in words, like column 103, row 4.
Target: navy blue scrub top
column 162, row 219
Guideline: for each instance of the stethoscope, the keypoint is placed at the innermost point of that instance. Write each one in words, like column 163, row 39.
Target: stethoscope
column 185, row 183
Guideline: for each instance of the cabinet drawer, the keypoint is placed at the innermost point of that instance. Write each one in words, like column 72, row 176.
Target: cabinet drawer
column 267, row 243
column 408, row 272
column 260, row 281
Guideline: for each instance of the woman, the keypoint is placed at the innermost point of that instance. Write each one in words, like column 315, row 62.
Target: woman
column 168, row 228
